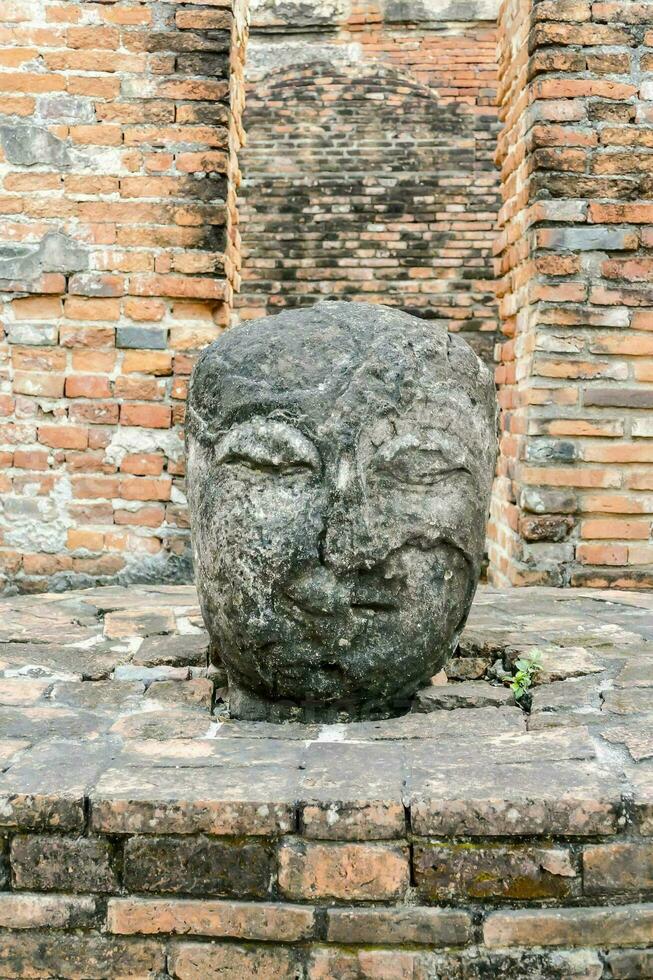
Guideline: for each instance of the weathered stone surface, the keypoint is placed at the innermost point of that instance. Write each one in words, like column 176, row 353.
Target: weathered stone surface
column 43, row 721
column 27, row 334
column 70, row 956
column 54, row 253
column 628, row 701
column 469, row 694
column 198, row 866
column 5, row 873
column 352, row 792
column 110, row 696
column 174, row 651
column 146, row 675
column 161, row 724
column 195, row 693
column 635, row 673
column 642, row 783
column 578, row 695
column 138, row 622
column 364, row 503
column 221, row 961
column 441, row 724
column 467, row 668
column 245, row 800
column 610, row 869
column 637, row 736
column 445, row 872
column 188, row 917
column 513, row 799
column 9, row 748
column 73, row 864
column 559, row 663
column 411, row 11
column 630, row 964
column 335, row 964
column 40, row 810
column 432, row 927
column 355, row 872
column 628, row 925
column 45, row 789
column 46, row 911
column 22, row 691
column 298, row 13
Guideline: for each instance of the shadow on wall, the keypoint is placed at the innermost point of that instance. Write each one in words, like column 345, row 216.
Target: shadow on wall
column 360, row 184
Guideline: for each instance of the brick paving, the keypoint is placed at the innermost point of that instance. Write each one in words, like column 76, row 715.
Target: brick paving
column 145, row 833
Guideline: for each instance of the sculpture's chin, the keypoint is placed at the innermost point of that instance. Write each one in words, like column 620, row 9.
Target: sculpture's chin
column 355, row 676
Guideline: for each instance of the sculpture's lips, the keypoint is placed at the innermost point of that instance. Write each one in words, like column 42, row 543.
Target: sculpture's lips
column 367, row 607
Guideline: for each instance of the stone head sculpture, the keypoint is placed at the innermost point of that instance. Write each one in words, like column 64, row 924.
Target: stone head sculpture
column 340, row 460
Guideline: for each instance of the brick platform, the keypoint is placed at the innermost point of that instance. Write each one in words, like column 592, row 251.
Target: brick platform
column 145, row 834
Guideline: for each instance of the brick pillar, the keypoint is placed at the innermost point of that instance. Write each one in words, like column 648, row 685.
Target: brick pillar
column 574, row 496
column 119, row 131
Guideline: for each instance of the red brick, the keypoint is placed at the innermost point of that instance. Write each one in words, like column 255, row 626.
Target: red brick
column 30, row 459
column 612, row 528
column 94, row 413
column 90, row 540
column 99, row 362
column 158, row 363
column 45, row 385
column 145, row 488
column 352, row 872
column 87, row 386
column 64, row 436
column 142, row 464
column 143, row 517
column 148, row 416
column 138, row 388
column 83, row 308
column 88, row 487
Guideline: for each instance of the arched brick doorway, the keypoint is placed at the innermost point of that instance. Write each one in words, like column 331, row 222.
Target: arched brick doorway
column 361, row 183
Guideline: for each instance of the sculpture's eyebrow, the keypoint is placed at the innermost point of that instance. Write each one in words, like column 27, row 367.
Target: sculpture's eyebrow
column 269, row 410
column 421, row 441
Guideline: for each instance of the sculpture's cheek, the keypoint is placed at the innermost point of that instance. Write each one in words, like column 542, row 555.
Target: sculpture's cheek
column 451, row 511
column 261, row 523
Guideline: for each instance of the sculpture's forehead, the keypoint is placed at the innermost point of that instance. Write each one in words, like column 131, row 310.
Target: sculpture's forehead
column 326, row 371
column 339, row 367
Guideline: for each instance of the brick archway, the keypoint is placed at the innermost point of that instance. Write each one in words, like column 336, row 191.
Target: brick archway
column 360, row 182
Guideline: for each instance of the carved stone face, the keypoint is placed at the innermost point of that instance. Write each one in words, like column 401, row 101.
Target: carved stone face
column 339, row 469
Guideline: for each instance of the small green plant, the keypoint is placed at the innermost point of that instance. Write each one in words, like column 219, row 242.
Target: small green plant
column 525, row 670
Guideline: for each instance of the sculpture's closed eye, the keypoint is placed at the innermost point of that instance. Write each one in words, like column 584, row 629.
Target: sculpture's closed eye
column 267, row 447
column 405, row 460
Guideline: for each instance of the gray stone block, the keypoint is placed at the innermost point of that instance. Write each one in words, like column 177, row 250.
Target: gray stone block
column 32, row 334
column 29, row 145
column 589, row 239
column 62, row 108
column 143, row 338
column 428, row 11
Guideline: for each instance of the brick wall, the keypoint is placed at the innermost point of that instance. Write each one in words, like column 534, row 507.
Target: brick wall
column 118, row 130
column 573, row 499
column 368, row 170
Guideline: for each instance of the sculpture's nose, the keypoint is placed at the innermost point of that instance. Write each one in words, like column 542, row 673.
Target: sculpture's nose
column 318, row 591
column 348, row 542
